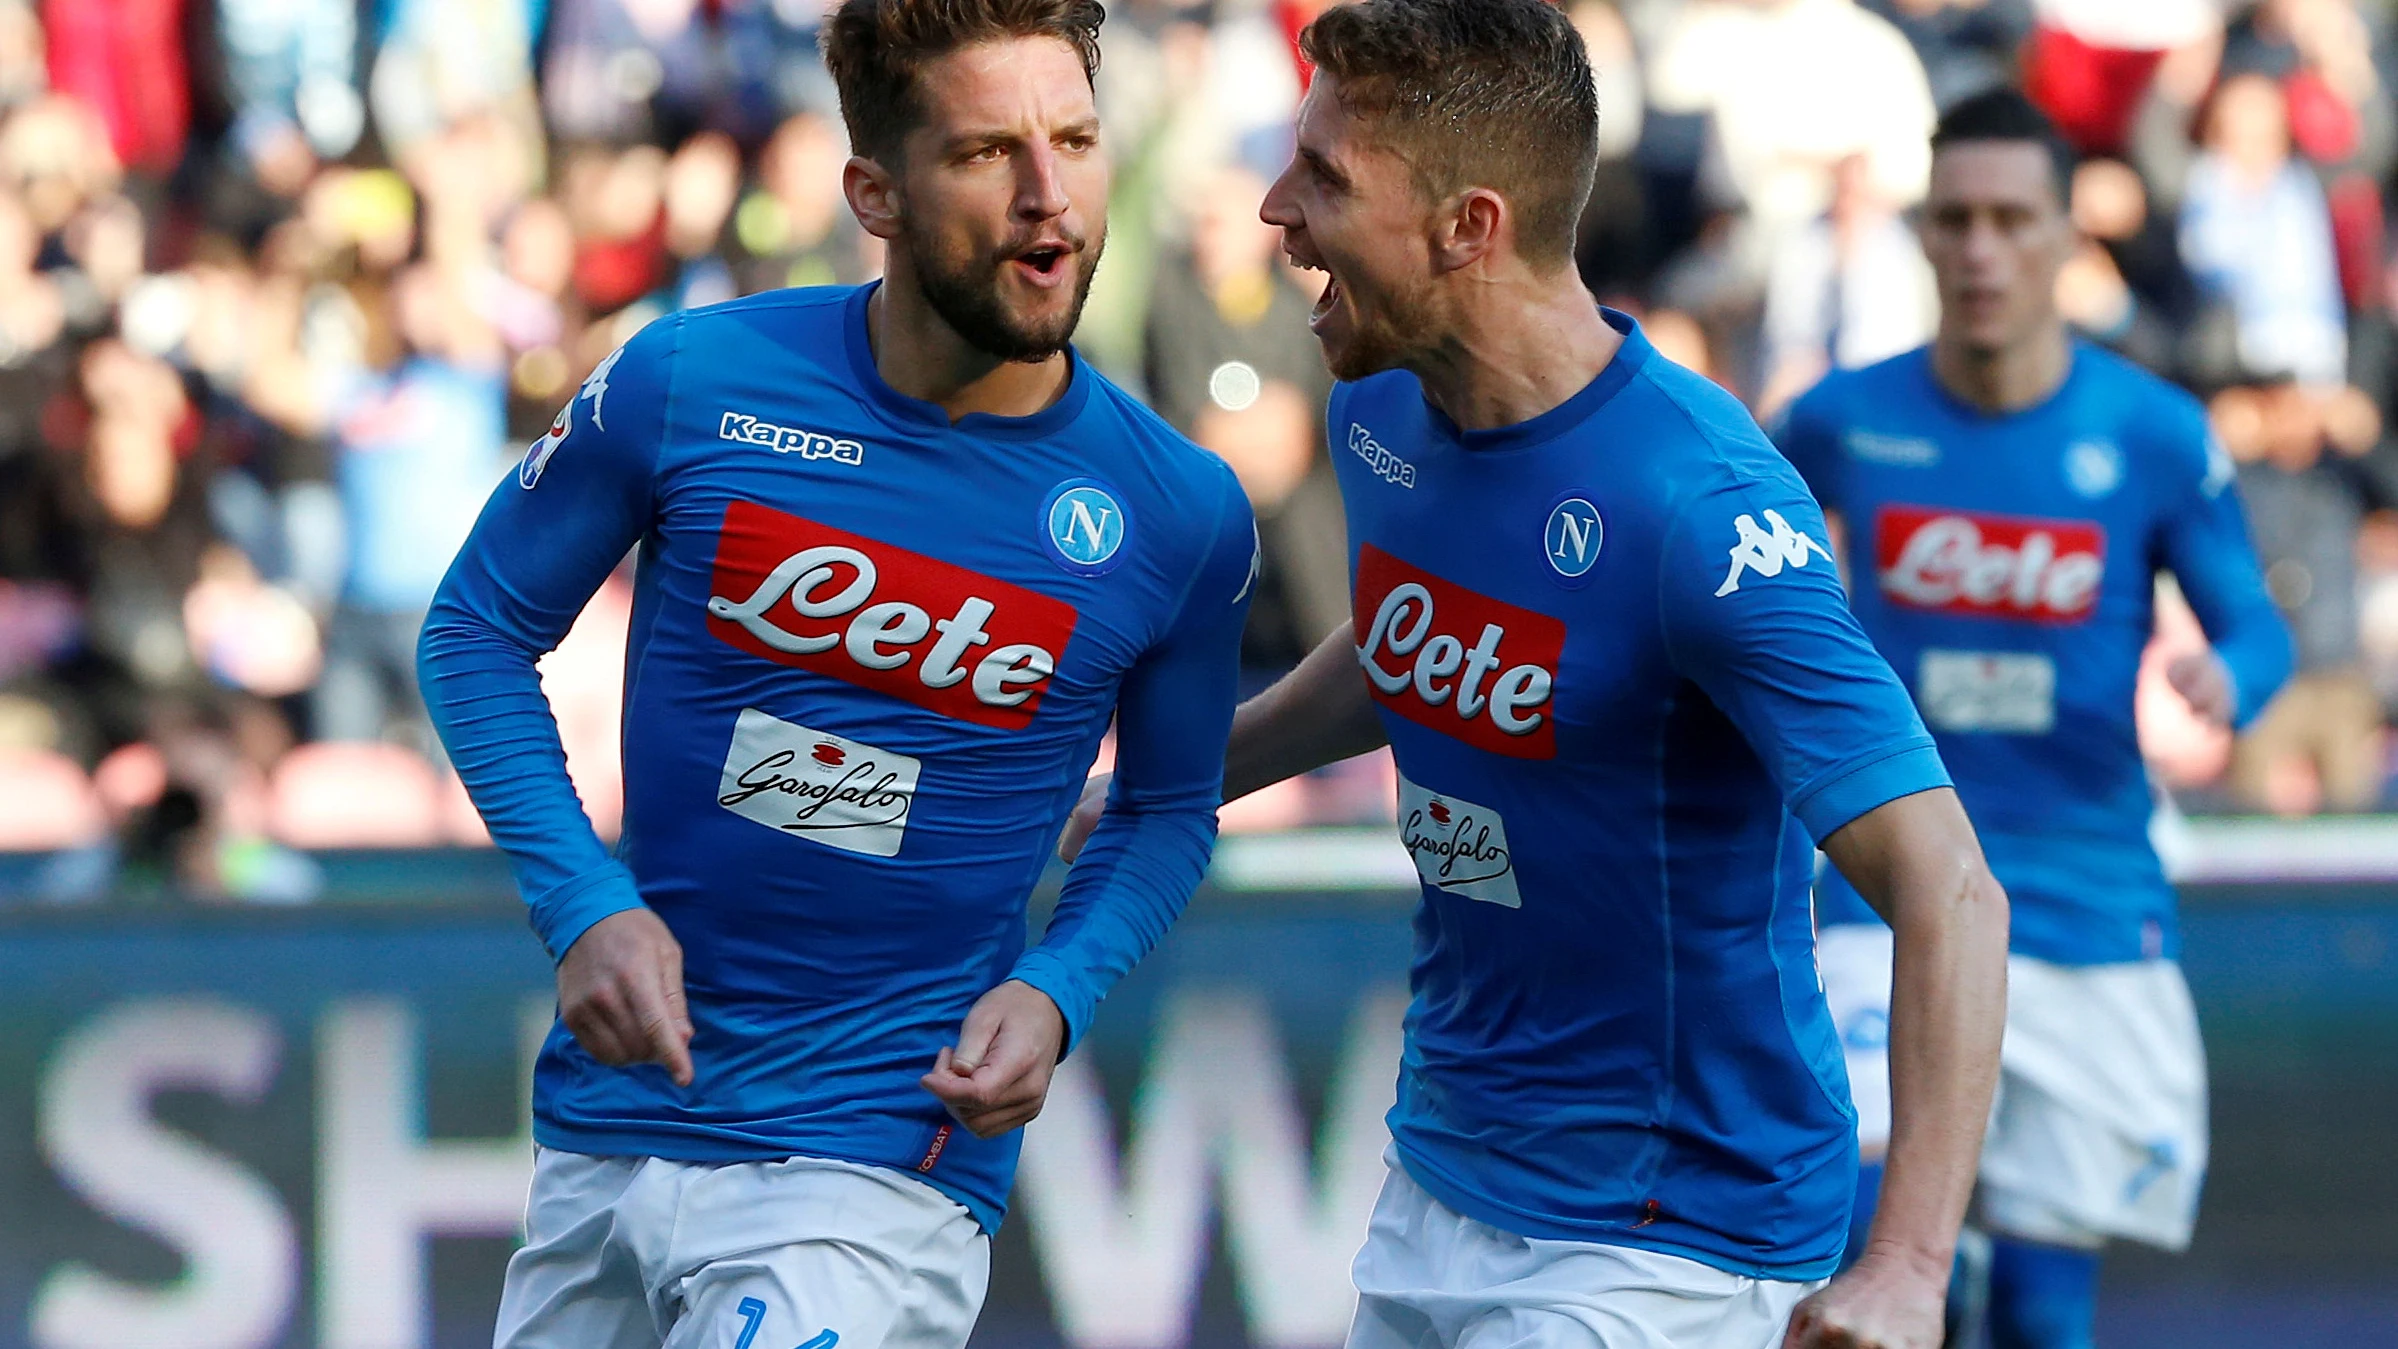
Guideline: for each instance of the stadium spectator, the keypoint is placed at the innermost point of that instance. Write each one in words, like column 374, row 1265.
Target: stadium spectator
column 2255, row 230
column 124, row 59
column 1850, row 289
column 232, row 227
column 2089, row 63
column 1611, row 249
column 2311, row 467
column 291, row 75
column 1794, row 87
column 1230, row 363
column 421, row 436
column 793, row 227
column 1966, row 46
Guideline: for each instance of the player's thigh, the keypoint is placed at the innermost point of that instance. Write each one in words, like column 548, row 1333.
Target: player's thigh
column 572, row 1285
column 1430, row 1278
column 2100, row 1128
column 1617, row 1298
column 826, row 1293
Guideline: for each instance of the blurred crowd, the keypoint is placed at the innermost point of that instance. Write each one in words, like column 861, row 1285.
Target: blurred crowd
column 286, row 285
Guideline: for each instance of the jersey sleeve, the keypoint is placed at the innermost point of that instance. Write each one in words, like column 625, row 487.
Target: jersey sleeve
column 1152, row 845
column 1804, row 435
column 1753, row 613
column 2205, row 545
column 551, row 533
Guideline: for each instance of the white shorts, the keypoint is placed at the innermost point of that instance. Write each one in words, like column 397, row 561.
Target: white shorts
column 1854, row 962
column 2100, row 1126
column 1430, row 1278
column 641, row 1253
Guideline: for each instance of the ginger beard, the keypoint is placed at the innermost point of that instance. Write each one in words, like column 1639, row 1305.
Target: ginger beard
column 1366, row 335
column 971, row 292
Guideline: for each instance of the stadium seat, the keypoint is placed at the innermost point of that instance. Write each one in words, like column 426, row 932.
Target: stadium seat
column 51, row 804
column 354, row 795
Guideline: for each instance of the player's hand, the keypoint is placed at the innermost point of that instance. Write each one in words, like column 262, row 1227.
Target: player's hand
column 997, row 1076
column 620, row 990
column 1085, row 817
column 1879, row 1304
column 2204, row 682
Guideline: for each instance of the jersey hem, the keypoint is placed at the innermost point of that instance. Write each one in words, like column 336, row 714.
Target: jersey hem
column 1517, row 1222
column 612, row 1143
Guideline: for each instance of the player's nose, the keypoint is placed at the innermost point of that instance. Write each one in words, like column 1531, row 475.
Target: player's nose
column 1040, row 184
column 1281, row 206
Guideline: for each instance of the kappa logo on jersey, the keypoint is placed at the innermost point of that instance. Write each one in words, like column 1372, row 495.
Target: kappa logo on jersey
column 841, row 793
column 1458, row 846
column 538, row 457
column 1766, row 553
column 1257, row 563
column 1455, row 660
column 595, row 386
column 749, row 430
column 1573, row 537
column 1989, row 566
column 1386, row 466
column 867, row 613
column 1085, row 526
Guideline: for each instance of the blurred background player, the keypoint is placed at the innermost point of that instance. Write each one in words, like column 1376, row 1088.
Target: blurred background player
column 2008, row 496
column 1601, row 635
column 902, row 557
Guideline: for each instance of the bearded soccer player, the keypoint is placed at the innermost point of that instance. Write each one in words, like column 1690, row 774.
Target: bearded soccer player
column 1596, row 622
column 902, row 555
column 2009, row 496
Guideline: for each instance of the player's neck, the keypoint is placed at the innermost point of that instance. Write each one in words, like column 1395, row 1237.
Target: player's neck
column 1516, row 350
column 920, row 355
column 2008, row 379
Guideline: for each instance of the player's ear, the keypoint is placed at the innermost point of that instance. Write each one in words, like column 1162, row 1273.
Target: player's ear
column 1467, row 228
column 873, row 193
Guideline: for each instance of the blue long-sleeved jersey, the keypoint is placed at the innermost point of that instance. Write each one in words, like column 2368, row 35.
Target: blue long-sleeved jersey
column 1625, row 693
column 2006, row 565
column 872, row 657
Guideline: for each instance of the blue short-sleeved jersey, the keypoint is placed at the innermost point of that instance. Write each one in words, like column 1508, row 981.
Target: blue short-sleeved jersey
column 1625, row 694
column 2006, row 565
column 871, row 660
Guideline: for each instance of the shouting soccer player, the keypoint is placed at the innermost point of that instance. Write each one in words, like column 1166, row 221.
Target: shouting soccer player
column 2009, row 495
column 1596, row 621
column 901, row 557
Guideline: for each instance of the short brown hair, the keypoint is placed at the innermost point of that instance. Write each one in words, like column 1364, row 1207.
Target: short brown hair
column 876, row 49
column 1488, row 93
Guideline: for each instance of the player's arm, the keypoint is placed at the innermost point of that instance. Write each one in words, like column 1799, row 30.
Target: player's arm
column 1753, row 613
column 1320, row 713
column 549, row 536
column 1917, row 862
column 1172, row 714
column 2206, row 547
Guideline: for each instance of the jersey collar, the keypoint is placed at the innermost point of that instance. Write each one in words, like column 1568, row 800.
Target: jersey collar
column 916, row 412
column 1574, row 411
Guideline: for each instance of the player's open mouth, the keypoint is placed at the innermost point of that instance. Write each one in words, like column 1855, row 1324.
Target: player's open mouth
column 1326, row 302
column 1044, row 264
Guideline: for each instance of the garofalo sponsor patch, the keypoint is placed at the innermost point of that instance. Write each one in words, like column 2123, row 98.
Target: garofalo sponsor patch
column 1458, row 846
column 837, row 791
